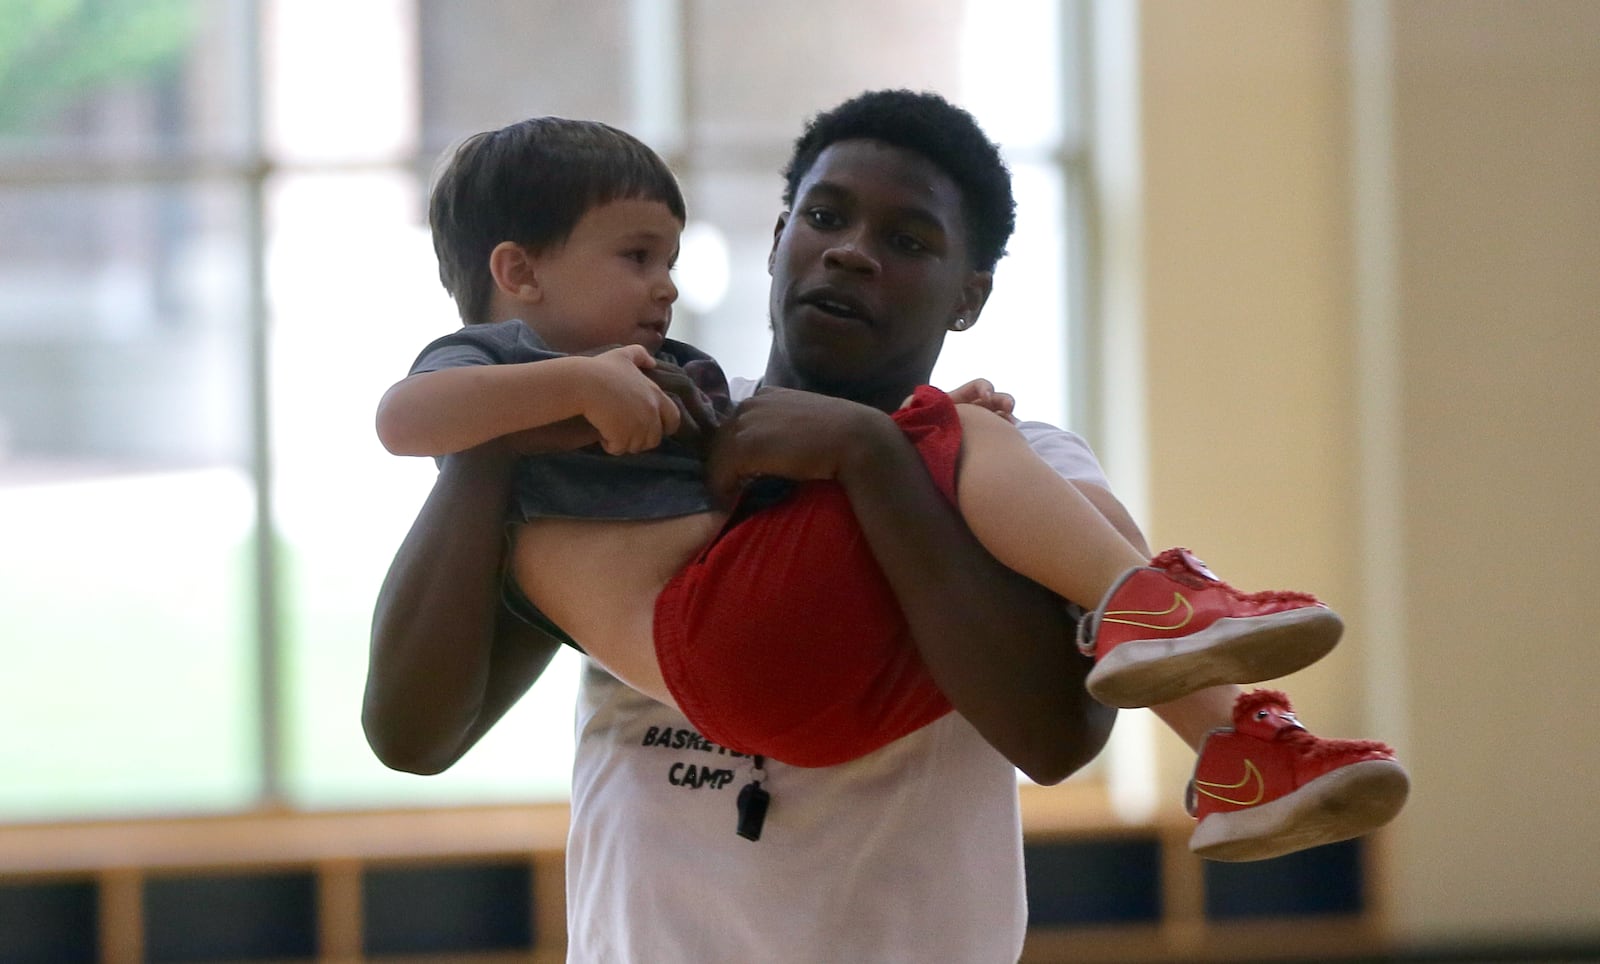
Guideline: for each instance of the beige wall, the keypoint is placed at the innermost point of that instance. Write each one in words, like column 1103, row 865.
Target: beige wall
column 1498, row 164
column 1448, row 514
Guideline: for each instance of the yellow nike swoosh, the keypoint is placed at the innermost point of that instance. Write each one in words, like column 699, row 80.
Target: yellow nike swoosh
column 1138, row 617
column 1250, row 774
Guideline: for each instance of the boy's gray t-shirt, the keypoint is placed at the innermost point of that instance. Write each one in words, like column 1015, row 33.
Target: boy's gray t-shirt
column 586, row 483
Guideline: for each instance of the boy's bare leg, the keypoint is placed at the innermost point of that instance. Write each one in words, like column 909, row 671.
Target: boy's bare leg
column 602, row 590
column 1195, row 715
column 1036, row 522
column 1033, row 520
column 1159, row 628
column 1307, row 791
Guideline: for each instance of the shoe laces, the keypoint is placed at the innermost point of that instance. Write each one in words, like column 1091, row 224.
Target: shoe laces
column 1267, row 715
column 1184, row 567
column 1313, row 747
column 1269, row 710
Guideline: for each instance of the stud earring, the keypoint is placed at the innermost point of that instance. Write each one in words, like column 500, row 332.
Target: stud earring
column 960, row 324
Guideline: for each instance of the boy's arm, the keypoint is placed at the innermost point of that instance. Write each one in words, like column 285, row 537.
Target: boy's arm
column 447, row 659
column 453, row 409
column 998, row 645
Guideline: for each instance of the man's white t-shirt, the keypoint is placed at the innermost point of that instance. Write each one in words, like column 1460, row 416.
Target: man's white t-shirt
column 912, row 853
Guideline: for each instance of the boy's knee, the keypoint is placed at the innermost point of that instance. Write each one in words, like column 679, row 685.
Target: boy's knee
column 977, row 418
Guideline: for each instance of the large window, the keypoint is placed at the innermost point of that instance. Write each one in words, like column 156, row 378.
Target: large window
column 213, row 261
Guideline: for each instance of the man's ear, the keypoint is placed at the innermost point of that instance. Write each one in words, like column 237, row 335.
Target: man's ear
column 777, row 232
column 513, row 270
column 974, row 295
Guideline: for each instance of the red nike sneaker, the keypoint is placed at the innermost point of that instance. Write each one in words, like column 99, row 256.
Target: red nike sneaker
column 1268, row 787
column 1168, row 629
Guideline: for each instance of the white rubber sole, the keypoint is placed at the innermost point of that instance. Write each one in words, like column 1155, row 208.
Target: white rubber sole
column 1349, row 802
column 1145, row 672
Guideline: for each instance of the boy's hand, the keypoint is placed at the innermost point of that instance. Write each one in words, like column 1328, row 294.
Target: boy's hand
column 980, row 392
column 628, row 410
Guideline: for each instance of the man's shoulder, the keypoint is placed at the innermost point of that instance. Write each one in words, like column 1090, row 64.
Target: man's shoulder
column 1066, row 452
column 1045, row 434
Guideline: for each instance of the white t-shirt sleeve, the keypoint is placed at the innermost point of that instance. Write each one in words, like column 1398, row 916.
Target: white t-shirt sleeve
column 1064, row 451
column 740, row 389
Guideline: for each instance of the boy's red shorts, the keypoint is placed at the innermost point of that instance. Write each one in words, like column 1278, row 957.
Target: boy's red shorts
column 783, row 637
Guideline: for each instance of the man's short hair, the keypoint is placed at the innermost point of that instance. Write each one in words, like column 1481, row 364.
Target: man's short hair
column 931, row 126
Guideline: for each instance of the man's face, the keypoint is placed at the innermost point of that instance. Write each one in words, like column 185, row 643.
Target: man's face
column 869, row 269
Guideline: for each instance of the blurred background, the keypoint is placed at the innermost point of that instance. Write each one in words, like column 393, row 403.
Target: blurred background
column 1317, row 278
column 218, row 259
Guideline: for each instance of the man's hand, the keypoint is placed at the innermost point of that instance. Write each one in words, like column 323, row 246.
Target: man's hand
column 796, row 435
column 624, row 405
column 980, row 392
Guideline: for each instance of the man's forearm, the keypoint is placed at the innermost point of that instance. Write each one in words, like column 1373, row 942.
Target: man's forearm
column 435, row 623
column 997, row 644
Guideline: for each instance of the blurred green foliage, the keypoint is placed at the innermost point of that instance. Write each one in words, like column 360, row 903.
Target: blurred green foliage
column 53, row 52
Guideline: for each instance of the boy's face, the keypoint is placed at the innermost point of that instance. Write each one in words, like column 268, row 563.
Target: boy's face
column 611, row 282
column 869, row 270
